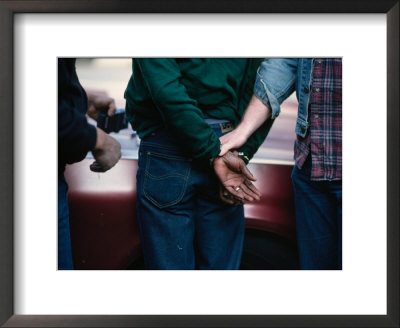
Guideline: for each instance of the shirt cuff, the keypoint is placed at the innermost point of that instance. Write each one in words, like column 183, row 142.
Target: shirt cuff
column 262, row 92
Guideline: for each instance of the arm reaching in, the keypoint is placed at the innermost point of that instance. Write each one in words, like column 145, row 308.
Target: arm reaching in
column 256, row 114
column 107, row 150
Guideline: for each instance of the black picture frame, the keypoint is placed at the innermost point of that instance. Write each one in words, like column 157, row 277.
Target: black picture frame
column 7, row 11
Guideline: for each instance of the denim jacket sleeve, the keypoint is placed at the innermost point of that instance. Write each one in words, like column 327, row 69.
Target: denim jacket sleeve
column 275, row 81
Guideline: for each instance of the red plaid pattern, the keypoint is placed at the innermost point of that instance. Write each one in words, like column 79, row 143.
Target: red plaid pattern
column 324, row 136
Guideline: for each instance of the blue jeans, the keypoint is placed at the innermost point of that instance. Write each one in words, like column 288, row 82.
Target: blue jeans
column 182, row 222
column 318, row 220
column 64, row 239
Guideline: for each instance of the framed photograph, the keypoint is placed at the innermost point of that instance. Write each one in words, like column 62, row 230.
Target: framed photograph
column 33, row 293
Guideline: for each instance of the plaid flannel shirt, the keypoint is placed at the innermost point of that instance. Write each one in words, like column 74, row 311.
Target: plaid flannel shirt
column 324, row 136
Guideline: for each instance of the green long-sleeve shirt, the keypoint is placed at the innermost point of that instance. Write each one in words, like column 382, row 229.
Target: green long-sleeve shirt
column 180, row 93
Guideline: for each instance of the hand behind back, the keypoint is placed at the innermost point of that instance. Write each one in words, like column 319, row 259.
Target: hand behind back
column 235, row 178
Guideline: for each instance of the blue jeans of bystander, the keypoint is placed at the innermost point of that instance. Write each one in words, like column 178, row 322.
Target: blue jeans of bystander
column 64, row 238
column 318, row 220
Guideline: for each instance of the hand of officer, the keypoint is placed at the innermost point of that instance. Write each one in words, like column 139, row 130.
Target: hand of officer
column 107, row 152
column 232, row 140
column 235, row 177
column 100, row 102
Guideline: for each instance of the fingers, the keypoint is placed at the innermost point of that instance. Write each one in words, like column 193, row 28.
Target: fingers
column 92, row 113
column 224, row 149
column 225, row 138
column 227, row 198
column 245, row 192
column 101, row 103
column 246, row 172
column 237, row 192
column 232, row 140
column 250, row 193
column 253, row 188
column 237, row 195
column 107, row 152
column 112, row 108
column 226, row 144
column 96, row 167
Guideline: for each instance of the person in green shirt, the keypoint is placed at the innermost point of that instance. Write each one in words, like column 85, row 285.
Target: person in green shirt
column 189, row 200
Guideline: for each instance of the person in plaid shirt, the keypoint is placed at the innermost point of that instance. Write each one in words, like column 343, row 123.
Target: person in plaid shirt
column 317, row 174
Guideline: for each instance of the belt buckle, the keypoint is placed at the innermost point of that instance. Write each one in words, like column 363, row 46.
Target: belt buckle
column 226, row 127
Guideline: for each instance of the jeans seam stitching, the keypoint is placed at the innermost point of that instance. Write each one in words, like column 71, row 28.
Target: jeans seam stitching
column 176, row 201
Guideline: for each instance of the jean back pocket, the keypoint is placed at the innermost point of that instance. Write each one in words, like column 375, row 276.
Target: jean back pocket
column 166, row 178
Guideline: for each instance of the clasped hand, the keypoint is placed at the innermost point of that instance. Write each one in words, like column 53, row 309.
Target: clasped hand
column 236, row 179
column 100, row 102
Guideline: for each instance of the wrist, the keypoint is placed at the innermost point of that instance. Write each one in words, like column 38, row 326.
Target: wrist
column 244, row 130
column 243, row 157
column 212, row 160
column 101, row 135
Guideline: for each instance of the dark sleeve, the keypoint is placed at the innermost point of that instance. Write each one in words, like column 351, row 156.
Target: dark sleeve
column 178, row 110
column 75, row 136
